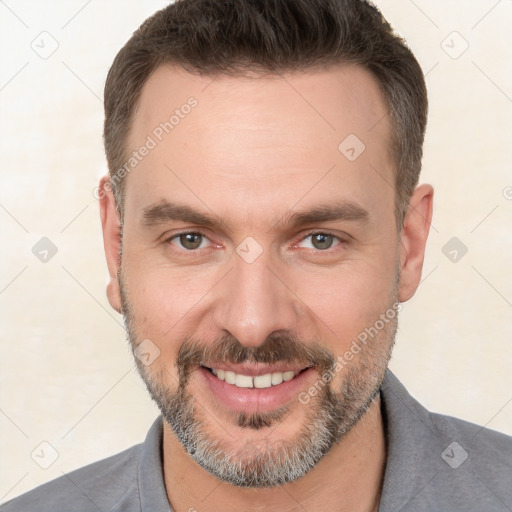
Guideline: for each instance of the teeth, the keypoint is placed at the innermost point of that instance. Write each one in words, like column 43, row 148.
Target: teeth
column 230, row 377
column 263, row 381
column 288, row 376
column 277, row 378
column 244, row 381
column 260, row 382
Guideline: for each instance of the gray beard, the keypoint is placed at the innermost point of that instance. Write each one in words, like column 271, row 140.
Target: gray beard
column 272, row 464
column 330, row 415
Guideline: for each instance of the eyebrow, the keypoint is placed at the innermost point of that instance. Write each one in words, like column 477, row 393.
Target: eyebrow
column 165, row 211
column 338, row 211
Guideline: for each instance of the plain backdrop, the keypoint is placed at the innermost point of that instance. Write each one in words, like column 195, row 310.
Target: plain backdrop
column 69, row 393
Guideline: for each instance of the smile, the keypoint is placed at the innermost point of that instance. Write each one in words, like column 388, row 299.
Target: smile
column 251, row 388
column 260, row 381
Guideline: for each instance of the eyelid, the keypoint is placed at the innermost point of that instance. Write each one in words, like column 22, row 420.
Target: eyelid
column 169, row 238
column 166, row 237
column 342, row 239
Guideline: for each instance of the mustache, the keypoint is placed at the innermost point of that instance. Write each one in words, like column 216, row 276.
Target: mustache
column 277, row 348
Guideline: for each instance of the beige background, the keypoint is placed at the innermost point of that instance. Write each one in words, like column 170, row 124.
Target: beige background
column 66, row 371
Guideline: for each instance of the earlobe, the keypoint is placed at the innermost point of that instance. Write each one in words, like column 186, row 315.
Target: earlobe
column 413, row 240
column 111, row 227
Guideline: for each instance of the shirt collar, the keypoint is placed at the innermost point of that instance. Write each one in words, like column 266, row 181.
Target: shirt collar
column 153, row 497
column 414, row 446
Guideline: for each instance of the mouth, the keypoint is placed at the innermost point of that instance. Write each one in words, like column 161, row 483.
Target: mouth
column 266, row 380
column 255, row 388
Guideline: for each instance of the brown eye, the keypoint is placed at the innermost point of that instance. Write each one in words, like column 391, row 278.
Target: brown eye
column 191, row 241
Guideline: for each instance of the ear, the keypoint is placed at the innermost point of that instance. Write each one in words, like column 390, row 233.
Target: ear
column 111, row 240
column 413, row 239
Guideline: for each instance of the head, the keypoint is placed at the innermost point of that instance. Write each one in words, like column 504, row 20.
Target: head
column 263, row 161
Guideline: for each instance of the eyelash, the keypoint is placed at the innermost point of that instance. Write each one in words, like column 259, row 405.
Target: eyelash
column 337, row 238
column 177, row 235
column 325, row 233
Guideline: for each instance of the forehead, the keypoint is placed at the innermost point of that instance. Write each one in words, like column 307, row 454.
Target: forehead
column 267, row 137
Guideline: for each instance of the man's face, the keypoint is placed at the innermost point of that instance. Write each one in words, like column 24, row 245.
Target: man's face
column 256, row 247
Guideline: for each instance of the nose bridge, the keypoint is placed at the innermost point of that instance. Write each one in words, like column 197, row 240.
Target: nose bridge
column 253, row 302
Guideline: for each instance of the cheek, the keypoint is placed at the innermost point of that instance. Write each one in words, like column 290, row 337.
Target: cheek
column 166, row 303
column 345, row 303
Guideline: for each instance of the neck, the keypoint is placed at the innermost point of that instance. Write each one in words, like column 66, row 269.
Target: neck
column 348, row 478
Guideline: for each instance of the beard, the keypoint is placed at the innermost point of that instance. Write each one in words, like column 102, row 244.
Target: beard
column 329, row 416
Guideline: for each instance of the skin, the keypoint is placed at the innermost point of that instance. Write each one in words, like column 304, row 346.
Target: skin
column 253, row 151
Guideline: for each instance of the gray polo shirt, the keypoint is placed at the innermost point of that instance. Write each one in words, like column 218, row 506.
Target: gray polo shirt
column 435, row 463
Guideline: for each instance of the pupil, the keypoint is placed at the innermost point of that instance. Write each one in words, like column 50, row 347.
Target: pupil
column 191, row 240
column 321, row 241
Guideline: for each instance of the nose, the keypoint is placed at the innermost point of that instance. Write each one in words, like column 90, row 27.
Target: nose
column 254, row 301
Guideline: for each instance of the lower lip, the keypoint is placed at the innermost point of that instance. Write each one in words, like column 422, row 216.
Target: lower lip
column 252, row 400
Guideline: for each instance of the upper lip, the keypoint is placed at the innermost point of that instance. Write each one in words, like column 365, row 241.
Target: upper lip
column 254, row 370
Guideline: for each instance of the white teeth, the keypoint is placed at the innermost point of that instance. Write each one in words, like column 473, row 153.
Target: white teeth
column 263, row 381
column 260, row 382
column 288, row 376
column 230, row 377
column 277, row 378
column 244, row 381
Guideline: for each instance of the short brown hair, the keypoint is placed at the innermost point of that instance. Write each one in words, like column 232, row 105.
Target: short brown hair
column 236, row 37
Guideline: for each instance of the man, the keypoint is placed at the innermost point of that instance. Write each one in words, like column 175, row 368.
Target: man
column 262, row 224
